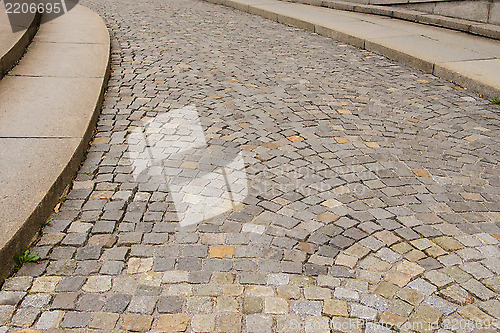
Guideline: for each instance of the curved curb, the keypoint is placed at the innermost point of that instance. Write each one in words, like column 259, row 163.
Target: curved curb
column 41, row 148
column 9, row 58
column 477, row 72
column 475, row 28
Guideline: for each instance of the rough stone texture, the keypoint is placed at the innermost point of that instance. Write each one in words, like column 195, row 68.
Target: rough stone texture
column 372, row 188
column 172, row 323
column 335, row 308
column 136, row 322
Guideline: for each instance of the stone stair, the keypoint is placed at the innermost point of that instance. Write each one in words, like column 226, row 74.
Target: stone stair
column 49, row 104
column 13, row 44
column 485, row 11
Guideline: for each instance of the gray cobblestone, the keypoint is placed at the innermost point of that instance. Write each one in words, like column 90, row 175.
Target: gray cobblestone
column 117, row 303
column 25, row 316
column 49, row 320
column 312, row 308
column 75, row 320
column 142, row 304
column 88, row 253
column 103, row 227
column 64, row 301
column 11, row 297
column 371, row 185
column 74, row 239
column 39, row 300
column 90, row 302
column 170, row 304
column 21, row 283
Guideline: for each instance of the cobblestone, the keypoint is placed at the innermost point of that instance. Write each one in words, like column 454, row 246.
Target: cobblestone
column 203, row 323
column 96, row 284
column 136, row 322
column 76, row 320
column 335, row 308
column 312, row 308
column 365, row 199
column 103, row 321
column 172, row 323
column 22, row 283
column 49, row 320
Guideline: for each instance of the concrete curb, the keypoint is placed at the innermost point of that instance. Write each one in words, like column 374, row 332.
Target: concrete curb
column 15, row 51
column 40, row 156
column 486, row 82
column 475, row 28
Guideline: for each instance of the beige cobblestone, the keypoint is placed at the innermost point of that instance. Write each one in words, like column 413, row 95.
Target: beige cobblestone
column 275, row 305
column 203, row 323
column 45, row 284
column 335, row 308
column 172, row 323
column 137, row 323
column 288, row 292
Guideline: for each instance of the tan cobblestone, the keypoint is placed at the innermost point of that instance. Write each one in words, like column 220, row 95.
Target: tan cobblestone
column 288, row 292
column 45, row 284
column 203, row 323
column 335, row 308
column 137, row 323
column 229, row 323
column 275, row 305
column 172, row 323
column 221, row 251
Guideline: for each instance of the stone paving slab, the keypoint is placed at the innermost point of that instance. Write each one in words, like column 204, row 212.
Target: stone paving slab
column 46, row 117
column 85, row 28
column 370, row 197
column 48, row 59
column 13, row 44
column 49, row 106
column 24, row 198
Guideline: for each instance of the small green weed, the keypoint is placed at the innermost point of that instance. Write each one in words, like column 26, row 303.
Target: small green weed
column 20, row 259
column 495, row 100
column 48, row 221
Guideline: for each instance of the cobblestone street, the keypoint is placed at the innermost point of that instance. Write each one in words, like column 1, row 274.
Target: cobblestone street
column 345, row 191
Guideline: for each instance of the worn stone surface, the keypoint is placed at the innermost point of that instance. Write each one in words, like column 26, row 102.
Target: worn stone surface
column 136, row 322
column 172, row 323
column 372, row 189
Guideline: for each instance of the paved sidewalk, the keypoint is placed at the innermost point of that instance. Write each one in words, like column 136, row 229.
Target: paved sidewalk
column 371, row 193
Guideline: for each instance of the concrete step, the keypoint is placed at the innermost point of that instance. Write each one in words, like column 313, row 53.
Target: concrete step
column 476, row 28
column 475, row 10
column 49, row 104
column 486, row 11
column 470, row 61
column 14, row 43
column 398, row 2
